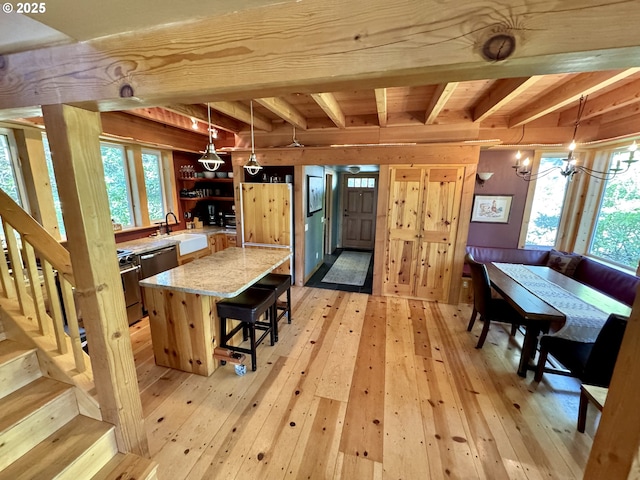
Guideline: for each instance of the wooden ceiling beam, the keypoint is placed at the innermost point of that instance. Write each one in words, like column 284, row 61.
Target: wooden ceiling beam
column 359, row 44
column 381, row 105
column 621, row 97
column 284, row 110
column 241, row 112
column 199, row 112
column 500, row 94
column 571, row 91
column 438, row 101
column 330, row 106
column 170, row 118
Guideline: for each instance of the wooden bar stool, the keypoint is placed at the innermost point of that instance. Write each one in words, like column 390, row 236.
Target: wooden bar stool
column 279, row 284
column 247, row 308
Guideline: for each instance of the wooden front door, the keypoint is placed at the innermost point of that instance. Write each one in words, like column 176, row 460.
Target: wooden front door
column 360, row 196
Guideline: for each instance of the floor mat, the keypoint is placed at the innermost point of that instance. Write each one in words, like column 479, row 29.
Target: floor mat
column 349, row 269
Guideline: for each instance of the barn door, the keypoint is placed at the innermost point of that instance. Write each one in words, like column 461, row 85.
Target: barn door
column 422, row 221
column 441, row 206
column 403, row 228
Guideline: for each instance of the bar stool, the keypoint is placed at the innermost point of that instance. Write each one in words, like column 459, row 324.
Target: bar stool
column 247, row 308
column 279, row 284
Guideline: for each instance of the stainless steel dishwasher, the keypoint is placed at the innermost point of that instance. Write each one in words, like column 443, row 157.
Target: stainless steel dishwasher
column 156, row 261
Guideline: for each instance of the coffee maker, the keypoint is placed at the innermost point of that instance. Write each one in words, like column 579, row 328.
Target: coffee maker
column 211, row 214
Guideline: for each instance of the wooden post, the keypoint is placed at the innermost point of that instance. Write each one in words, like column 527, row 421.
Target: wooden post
column 299, row 220
column 74, row 138
column 36, row 176
column 618, row 436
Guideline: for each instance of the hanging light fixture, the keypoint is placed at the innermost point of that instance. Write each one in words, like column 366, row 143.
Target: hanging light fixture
column 210, row 159
column 252, row 166
column 570, row 164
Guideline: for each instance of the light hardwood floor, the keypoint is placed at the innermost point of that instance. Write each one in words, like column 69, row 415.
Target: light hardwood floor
column 363, row 387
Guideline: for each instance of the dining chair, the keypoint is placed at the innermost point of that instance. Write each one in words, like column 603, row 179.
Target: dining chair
column 592, row 363
column 491, row 309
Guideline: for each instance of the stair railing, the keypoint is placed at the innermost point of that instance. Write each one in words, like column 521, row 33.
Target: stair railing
column 29, row 245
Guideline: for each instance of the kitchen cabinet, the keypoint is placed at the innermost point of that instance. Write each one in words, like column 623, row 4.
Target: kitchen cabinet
column 220, row 241
column 190, row 257
column 422, row 222
column 267, row 217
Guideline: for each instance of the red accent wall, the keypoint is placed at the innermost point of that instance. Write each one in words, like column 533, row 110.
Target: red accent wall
column 503, row 182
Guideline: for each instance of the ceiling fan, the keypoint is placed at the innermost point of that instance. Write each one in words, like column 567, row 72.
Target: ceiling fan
column 295, row 142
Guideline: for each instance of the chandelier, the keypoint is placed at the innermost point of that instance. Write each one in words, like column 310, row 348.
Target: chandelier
column 570, row 164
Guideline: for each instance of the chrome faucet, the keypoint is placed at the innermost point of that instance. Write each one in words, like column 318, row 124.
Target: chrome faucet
column 166, row 219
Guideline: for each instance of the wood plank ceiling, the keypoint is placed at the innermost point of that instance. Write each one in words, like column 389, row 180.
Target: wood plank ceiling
column 530, row 110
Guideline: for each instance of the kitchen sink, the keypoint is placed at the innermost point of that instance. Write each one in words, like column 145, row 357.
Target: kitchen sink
column 190, row 242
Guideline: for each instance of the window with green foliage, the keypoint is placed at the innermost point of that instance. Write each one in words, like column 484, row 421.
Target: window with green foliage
column 152, row 167
column 9, row 181
column 117, row 167
column 116, row 177
column 546, row 208
column 616, row 236
column 54, row 186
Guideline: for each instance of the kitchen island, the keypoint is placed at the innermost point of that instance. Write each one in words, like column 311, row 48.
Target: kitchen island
column 182, row 303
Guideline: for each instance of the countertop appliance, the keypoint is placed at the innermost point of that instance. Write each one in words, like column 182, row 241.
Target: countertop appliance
column 129, row 276
column 230, row 221
column 211, row 214
column 156, row 261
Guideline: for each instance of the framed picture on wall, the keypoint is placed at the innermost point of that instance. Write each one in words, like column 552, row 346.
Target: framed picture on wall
column 315, row 194
column 491, row 208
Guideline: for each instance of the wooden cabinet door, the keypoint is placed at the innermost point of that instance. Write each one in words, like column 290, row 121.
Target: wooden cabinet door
column 217, row 242
column 422, row 221
column 266, row 213
column 440, row 211
column 403, row 228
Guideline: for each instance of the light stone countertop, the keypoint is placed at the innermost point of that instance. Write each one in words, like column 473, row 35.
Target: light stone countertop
column 148, row 244
column 223, row 274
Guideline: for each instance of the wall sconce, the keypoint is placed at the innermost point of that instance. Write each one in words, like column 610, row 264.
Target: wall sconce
column 482, row 177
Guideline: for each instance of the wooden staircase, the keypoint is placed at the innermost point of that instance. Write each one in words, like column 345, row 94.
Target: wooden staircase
column 43, row 435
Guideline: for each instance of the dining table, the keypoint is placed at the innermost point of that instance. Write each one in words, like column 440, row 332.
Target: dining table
column 540, row 316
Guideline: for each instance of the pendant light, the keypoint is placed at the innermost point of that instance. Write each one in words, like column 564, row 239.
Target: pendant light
column 210, row 159
column 252, row 166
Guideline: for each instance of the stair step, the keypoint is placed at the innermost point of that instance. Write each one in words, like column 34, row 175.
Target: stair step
column 127, row 466
column 31, row 414
column 18, row 366
column 77, row 450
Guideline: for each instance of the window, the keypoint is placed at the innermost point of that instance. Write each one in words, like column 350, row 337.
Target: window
column 152, row 167
column 616, row 236
column 546, row 208
column 117, row 169
column 54, row 186
column 10, row 173
column 359, row 182
column 116, row 177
